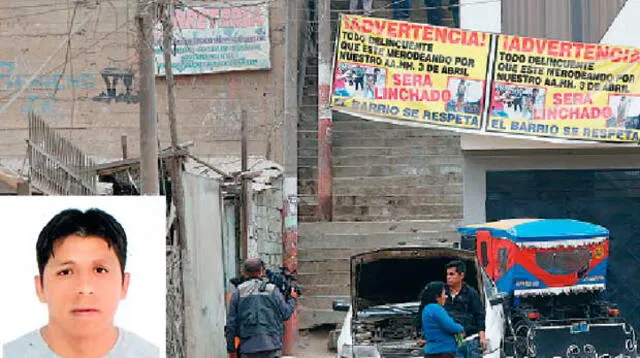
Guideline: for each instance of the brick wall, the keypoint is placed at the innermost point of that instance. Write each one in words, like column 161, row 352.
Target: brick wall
column 368, row 156
column 208, row 106
column 265, row 225
column 392, row 186
column 390, row 172
column 386, row 172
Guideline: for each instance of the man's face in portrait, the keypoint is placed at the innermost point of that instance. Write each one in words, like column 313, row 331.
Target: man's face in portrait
column 82, row 284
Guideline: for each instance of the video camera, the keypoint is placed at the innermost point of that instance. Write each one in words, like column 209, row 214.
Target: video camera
column 284, row 280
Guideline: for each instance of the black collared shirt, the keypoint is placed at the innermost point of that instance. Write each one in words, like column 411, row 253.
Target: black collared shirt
column 466, row 309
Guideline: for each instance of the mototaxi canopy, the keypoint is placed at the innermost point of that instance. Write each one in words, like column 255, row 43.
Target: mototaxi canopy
column 542, row 256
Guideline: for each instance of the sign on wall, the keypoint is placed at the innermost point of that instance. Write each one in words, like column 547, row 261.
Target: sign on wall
column 411, row 73
column 562, row 89
column 219, row 37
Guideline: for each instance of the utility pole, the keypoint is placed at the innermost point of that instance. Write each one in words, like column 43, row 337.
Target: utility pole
column 290, row 192
column 175, row 170
column 325, row 123
column 176, row 160
column 148, row 125
column 244, row 244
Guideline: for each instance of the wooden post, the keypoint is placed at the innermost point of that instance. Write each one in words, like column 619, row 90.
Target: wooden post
column 148, row 126
column 325, row 122
column 123, row 142
column 24, row 188
column 177, row 189
column 245, row 187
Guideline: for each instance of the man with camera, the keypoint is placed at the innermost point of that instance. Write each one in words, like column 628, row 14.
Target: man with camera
column 256, row 312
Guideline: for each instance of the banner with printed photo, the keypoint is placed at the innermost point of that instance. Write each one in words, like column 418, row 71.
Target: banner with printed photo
column 217, row 37
column 565, row 90
column 410, row 73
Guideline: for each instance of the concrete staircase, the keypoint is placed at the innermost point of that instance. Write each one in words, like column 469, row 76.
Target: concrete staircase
column 366, row 148
column 393, row 186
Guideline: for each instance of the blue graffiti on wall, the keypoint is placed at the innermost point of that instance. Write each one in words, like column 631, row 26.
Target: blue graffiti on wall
column 40, row 95
column 41, row 91
column 11, row 80
column 45, row 104
column 112, row 76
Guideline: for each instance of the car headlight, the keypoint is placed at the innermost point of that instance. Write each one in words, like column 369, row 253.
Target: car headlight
column 365, row 352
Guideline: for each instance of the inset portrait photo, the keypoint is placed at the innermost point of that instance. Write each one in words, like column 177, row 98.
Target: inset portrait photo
column 83, row 276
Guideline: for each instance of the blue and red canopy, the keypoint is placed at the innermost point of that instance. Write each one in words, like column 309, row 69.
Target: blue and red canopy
column 539, row 256
column 523, row 230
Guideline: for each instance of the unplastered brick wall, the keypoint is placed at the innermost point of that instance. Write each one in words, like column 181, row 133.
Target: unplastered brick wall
column 383, row 171
column 387, row 172
column 70, row 94
column 265, row 231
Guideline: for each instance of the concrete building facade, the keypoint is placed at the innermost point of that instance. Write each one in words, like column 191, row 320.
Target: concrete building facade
column 396, row 186
column 52, row 60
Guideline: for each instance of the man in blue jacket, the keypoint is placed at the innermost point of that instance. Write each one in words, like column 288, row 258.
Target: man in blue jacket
column 256, row 312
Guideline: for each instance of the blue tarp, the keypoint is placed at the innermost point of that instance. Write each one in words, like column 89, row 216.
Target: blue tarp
column 523, row 230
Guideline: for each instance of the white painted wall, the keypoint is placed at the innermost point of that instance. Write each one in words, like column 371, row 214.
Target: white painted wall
column 476, row 167
column 203, row 270
column 481, row 15
column 624, row 29
column 470, row 142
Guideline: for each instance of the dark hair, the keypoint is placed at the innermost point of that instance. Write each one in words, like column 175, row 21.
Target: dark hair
column 431, row 292
column 253, row 266
column 93, row 222
column 428, row 295
column 460, row 266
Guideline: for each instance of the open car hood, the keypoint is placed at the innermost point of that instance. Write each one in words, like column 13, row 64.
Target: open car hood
column 397, row 275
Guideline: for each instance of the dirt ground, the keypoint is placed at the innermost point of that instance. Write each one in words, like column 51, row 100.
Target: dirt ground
column 313, row 343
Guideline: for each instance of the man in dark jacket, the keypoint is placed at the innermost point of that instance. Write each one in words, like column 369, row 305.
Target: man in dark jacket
column 256, row 312
column 465, row 307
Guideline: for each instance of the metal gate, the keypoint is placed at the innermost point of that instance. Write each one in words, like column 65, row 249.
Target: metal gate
column 57, row 167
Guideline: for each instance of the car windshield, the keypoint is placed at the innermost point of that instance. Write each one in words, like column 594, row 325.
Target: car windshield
column 564, row 262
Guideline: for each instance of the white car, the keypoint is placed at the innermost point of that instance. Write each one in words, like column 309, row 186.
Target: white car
column 385, row 285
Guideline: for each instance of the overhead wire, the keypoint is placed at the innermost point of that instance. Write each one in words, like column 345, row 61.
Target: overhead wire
column 80, row 52
column 194, row 7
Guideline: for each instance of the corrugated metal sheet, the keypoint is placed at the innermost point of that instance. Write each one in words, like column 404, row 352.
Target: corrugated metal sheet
column 604, row 12
column 572, row 20
column 203, row 269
